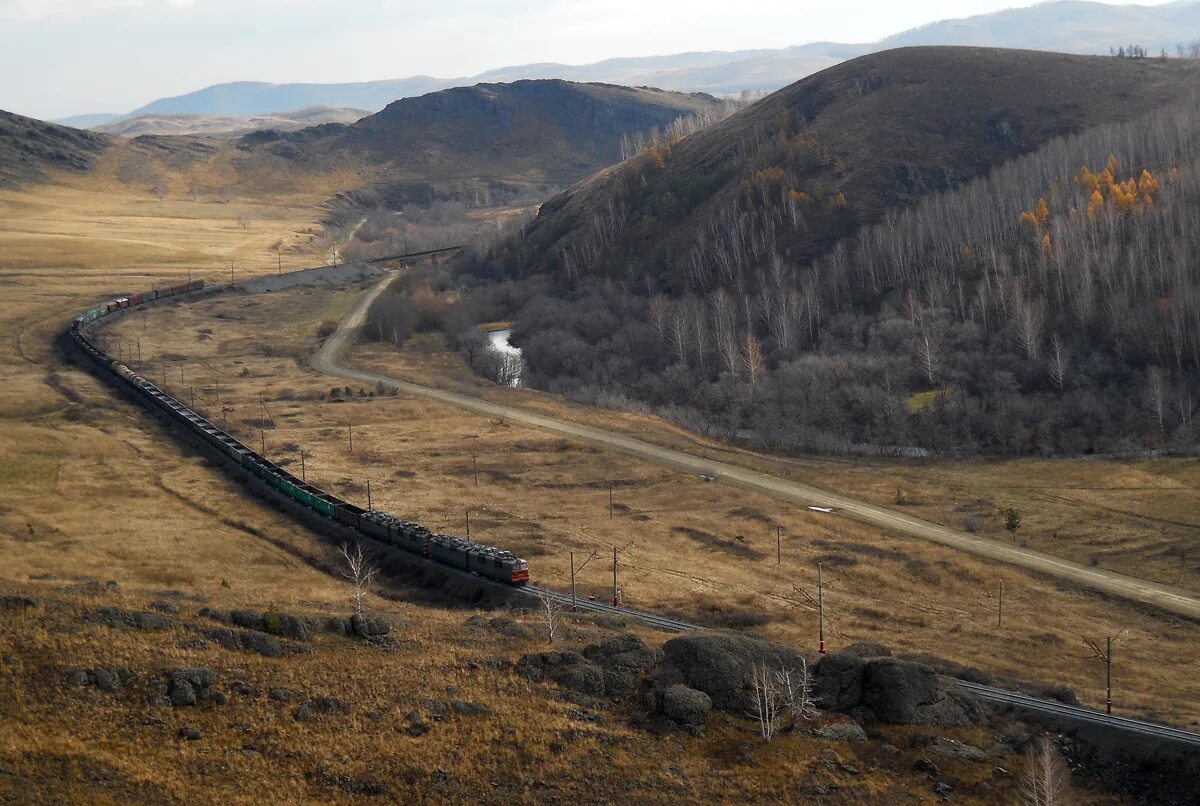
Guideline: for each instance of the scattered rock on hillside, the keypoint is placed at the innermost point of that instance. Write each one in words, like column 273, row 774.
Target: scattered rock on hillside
column 468, row 708
column 281, row 694
column 956, row 749
column 189, row 733
column 320, row 707
column 622, row 660
column 286, row 625
column 247, row 620
column 569, row 669
column 366, row 627
column 128, row 619
column 247, row 641
column 164, row 607
column 685, row 706
column 842, row 732
column 510, row 628
column 108, row 679
column 17, row 602
column 189, row 686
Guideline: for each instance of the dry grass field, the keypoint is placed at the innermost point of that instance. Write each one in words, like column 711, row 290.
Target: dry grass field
column 699, row 549
column 91, row 491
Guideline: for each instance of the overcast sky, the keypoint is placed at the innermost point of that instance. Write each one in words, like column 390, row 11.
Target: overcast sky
column 67, row 57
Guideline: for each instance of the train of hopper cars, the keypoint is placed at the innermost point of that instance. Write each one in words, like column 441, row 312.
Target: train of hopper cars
column 449, row 550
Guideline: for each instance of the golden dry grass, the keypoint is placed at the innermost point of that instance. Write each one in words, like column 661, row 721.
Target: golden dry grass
column 703, row 550
column 89, row 489
column 69, row 744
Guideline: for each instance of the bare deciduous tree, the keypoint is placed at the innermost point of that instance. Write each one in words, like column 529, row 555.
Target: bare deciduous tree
column 795, row 686
column 1047, row 781
column 551, row 611
column 766, row 701
column 359, row 572
column 1059, row 357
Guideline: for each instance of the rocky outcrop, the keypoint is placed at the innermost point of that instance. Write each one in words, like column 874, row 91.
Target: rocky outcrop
column 622, row 661
column 569, row 669
column 886, row 689
column 131, row 619
column 685, row 706
column 721, row 664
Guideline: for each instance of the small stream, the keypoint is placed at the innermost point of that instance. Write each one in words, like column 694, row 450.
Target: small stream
column 498, row 341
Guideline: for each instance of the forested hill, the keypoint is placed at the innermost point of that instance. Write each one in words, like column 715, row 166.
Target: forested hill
column 809, row 164
column 908, row 250
column 556, row 131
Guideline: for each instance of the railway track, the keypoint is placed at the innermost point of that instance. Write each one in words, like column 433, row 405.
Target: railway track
column 1079, row 714
column 655, row 620
column 998, row 696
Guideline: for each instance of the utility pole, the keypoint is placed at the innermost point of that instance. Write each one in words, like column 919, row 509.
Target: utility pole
column 614, row 595
column 1108, row 675
column 369, row 494
column 574, row 572
column 1105, row 655
column 231, row 272
column 475, row 468
column 302, row 464
column 218, row 382
column 181, row 375
column 468, row 524
column 820, row 610
column 778, row 544
column 263, row 435
column 139, row 346
column 350, row 428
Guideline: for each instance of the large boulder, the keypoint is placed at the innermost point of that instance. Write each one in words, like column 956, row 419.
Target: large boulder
column 366, row 627
column 686, row 706
column 569, row 669
column 622, row 660
column 842, row 732
column 837, row 683
column 285, row 625
column 876, row 688
column 132, row 619
column 894, row 690
column 721, row 665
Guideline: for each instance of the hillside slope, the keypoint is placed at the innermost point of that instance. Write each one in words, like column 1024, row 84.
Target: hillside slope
column 30, row 148
column 554, row 131
column 902, row 254
column 833, row 151
column 228, row 125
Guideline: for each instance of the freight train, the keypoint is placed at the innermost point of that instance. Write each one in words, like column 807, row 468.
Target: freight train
column 449, row 550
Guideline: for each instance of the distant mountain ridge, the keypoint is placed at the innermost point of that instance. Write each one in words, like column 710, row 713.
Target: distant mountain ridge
column 228, row 125
column 1069, row 26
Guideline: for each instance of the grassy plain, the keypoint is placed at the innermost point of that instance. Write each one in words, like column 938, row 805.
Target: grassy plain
column 91, row 491
column 699, row 549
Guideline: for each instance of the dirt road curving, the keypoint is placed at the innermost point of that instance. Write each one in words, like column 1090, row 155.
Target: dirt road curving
column 1169, row 599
